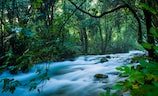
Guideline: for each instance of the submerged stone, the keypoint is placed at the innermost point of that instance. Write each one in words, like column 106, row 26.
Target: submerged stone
column 107, row 86
column 114, row 73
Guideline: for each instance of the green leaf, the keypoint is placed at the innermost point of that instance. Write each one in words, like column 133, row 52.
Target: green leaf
column 145, row 70
column 156, row 47
column 118, row 86
column 128, row 68
column 39, row 1
column 139, row 77
column 153, row 31
column 147, row 7
column 36, row 5
column 102, row 94
column 147, row 45
column 108, row 92
column 143, row 63
column 155, row 83
column 120, row 68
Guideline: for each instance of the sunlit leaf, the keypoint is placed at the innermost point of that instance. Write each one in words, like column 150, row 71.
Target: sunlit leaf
column 136, row 86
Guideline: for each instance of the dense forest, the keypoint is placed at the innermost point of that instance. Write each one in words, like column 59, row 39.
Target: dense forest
column 36, row 31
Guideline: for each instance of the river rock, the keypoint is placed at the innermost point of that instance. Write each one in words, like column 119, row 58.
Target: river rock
column 103, row 59
column 107, row 86
column 108, row 56
column 104, row 81
column 100, row 76
column 114, row 73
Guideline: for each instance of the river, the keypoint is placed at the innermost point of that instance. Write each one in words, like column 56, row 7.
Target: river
column 71, row 78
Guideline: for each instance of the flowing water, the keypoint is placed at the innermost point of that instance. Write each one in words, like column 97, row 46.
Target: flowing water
column 72, row 78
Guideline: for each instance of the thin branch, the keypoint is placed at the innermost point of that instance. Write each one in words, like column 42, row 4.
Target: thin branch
column 101, row 15
column 113, row 10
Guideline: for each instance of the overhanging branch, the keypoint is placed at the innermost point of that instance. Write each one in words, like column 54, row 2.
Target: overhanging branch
column 113, row 10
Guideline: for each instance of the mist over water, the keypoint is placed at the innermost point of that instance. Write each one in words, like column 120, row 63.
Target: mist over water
column 72, row 78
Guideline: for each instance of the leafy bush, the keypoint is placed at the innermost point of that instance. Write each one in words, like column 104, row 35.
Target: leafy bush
column 142, row 78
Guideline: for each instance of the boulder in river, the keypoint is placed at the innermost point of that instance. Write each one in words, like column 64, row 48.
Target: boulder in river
column 108, row 56
column 100, row 76
column 103, row 59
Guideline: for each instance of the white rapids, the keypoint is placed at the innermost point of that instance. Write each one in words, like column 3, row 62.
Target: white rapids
column 71, row 78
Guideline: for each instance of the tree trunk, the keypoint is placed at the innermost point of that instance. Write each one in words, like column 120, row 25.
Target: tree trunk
column 150, row 38
column 84, row 40
column 2, row 48
column 102, row 40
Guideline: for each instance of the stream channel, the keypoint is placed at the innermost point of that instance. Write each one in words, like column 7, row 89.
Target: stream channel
column 72, row 78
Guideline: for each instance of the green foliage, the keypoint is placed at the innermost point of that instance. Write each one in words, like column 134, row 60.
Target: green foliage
column 142, row 78
column 40, row 38
column 10, row 85
column 107, row 93
column 149, row 8
column 147, row 45
column 154, row 32
column 18, row 57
